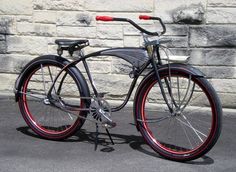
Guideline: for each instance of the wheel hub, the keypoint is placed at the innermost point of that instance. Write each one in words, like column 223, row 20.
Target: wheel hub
column 176, row 113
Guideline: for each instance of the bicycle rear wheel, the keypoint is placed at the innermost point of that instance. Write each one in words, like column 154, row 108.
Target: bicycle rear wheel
column 46, row 116
column 193, row 127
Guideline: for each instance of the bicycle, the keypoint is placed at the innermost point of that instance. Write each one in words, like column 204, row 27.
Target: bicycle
column 176, row 109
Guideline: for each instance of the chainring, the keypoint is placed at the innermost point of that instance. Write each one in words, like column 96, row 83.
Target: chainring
column 100, row 109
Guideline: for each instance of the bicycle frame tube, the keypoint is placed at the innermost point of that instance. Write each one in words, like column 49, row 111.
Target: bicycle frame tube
column 139, row 63
column 135, row 62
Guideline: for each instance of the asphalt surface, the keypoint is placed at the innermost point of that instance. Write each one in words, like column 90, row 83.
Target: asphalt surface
column 22, row 150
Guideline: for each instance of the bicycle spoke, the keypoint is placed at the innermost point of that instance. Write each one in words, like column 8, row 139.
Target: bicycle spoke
column 197, row 132
column 195, row 110
column 196, row 97
column 32, row 95
column 185, row 132
column 190, row 96
column 168, row 128
column 186, row 93
column 178, row 91
column 52, row 80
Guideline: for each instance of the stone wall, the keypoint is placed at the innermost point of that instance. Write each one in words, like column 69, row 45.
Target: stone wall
column 203, row 29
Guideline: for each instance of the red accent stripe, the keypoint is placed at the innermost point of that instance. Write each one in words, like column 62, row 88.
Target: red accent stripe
column 104, row 18
column 144, row 17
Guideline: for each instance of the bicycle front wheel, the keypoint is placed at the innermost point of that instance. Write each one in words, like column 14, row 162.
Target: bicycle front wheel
column 193, row 126
column 49, row 117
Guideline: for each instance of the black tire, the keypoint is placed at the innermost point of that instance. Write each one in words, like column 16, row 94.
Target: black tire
column 179, row 136
column 42, row 117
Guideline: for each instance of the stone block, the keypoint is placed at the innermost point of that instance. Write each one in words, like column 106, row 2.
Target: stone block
column 116, row 85
column 224, row 85
column 221, row 3
column 2, row 37
column 213, row 36
column 132, row 41
column 165, row 8
column 179, row 51
column 76, row 32
column 120, row 66
column 9, row 82
column 221, row 15
column 27, row 45
column 16, row 7
column 13, row 63
column 40, row 4
column 3, row 47
column 222, row 57
column 177, row 41
column 7, row 25
column 108, row 43
column 219, row 72
column 58, row 5
column 24, row 18
column 75, row 18
column 213, row 57
column 228, row 100
column 130, row 31
column 193, row 14
column 97, row 67
column 197, row 57
column 37, row 29
column 93, row 49
column 177, row 30
column 52, row 49
column 109, row 32
column 48, row 17
column 121, row 5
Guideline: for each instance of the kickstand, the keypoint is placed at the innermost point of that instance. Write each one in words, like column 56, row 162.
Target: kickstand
column 96, row 138
column 109, row 136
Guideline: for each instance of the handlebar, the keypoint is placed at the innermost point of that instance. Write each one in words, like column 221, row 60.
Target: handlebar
column 141, row 17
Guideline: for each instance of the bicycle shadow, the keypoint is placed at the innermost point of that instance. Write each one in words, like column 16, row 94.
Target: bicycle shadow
column 135, row 142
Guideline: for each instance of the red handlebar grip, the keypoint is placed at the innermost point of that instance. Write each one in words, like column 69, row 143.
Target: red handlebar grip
column 144, row 17
column 104, row 18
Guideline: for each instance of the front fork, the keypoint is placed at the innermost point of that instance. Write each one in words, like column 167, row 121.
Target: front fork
column 154, row 65
column 155, row 61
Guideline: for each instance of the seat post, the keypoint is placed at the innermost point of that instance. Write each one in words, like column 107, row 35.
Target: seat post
column 59, row 50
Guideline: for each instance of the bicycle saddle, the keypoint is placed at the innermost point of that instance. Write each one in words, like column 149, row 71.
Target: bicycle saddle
column 69, row 42
column 70, row 45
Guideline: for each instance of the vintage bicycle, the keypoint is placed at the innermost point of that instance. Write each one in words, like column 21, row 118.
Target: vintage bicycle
column 175, row 108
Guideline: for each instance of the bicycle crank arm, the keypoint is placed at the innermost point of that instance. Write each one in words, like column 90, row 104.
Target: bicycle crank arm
column 108, row 124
